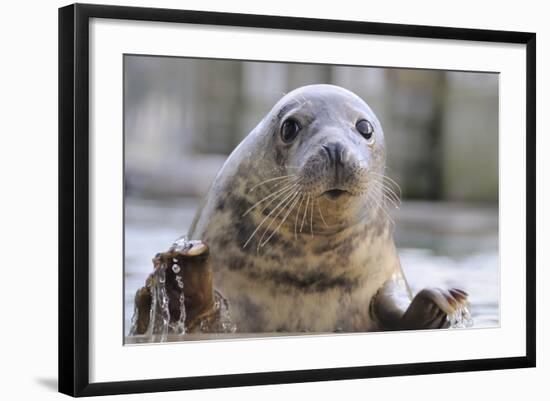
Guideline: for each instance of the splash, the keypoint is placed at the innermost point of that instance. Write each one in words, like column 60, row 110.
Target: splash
column 181, row 244
column 461, row 318
column 159, row 307
column 220, row 322
column 159, row 324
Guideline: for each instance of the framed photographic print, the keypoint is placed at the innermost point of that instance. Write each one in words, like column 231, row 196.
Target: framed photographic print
column 251, row 199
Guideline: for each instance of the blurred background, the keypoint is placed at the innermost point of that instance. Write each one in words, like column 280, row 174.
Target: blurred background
column 182, row 118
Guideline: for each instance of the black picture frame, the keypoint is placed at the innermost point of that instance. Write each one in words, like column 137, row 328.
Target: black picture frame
column 74, row 198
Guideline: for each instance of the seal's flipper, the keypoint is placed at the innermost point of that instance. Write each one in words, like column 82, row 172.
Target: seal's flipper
column 179, row 290
column 431, row 308
column 390, row 303
column 392, row 309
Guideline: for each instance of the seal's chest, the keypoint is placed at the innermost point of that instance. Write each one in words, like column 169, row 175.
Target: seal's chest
column 283, row 298
column 313, row 286
column 293, row 310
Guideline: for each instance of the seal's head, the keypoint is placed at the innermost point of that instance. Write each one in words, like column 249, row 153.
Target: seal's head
column 329, row 146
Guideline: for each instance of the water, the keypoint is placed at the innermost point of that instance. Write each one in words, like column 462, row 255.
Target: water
column 440, row 245
column 462, row 318
column 156, row 322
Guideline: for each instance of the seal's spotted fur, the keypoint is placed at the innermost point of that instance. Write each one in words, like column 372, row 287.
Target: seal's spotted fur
column 299, row 236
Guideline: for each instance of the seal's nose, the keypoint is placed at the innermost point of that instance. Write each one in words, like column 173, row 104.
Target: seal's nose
column 335, row 152
column 336, row 156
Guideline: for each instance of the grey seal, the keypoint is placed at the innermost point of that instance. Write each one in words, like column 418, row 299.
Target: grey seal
column 298, row 230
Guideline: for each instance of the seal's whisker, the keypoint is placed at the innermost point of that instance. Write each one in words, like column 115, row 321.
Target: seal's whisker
column 311, row 219
column 396, row 202
column 284, row 182
column 390, row 192
column 321, row 214
column 390, row 180
column 305, row 213
column 380, row 205
column 382, row 180
column 273, row 194
column 394, row 183
column 291, row 207
column 384, row 210
column 277, row 197
column 370, row 206
column 389, row 199
column 265, row 218
column 282, row 205
column 378, row 183
column 389, row 196
column 392, row 189
column 374, row 199
column 284, row 178
column 302, row 196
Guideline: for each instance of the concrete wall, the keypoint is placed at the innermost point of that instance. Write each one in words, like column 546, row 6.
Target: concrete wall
column 441, row 127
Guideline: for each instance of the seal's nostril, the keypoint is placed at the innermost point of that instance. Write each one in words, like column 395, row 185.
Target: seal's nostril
column 335, row 152
column 329, row 153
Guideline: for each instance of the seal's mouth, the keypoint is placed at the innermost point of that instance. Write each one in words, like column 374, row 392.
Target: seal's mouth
column 335, row 193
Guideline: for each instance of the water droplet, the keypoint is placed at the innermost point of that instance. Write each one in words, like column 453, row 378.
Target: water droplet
column 181, row 244
column 461, row 318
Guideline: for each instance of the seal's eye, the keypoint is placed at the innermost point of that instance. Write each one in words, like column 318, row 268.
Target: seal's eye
column 365, row 128
column 289, row 130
